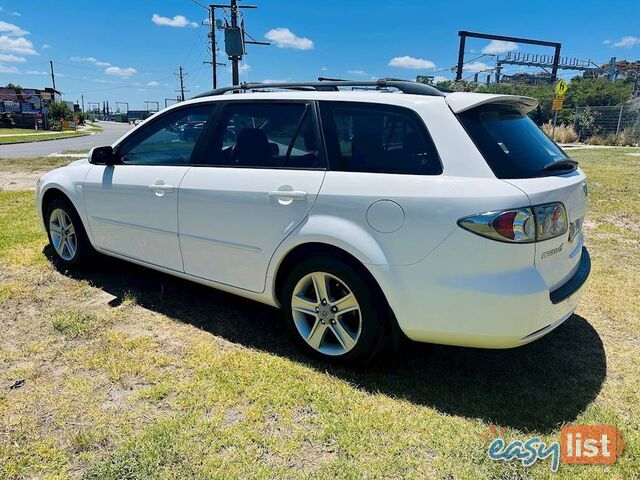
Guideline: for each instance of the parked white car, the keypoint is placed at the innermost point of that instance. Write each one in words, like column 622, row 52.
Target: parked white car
column 449, row 217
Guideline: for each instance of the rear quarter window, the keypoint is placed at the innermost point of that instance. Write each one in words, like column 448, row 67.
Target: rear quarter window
column 511, row 143
column 375, row 138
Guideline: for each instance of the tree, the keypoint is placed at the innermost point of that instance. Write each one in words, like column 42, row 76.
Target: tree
column 11, row 85
column 597, row 91
column 58, row 110
column 582, row 92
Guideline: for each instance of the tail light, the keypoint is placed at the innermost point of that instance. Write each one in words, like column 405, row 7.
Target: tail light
column 519, row 225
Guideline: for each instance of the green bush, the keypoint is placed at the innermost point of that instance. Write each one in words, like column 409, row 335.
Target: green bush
column 582, row 92
column 6, row 120
column 59, row 110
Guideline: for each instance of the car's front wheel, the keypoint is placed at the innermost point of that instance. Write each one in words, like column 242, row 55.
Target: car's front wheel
column 66, row 234
column 334, row 311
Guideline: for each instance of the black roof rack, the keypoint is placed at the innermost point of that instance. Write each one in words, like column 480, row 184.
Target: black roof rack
column 405, row 86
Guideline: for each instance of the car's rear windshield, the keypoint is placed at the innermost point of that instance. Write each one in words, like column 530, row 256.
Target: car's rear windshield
column 511, row 143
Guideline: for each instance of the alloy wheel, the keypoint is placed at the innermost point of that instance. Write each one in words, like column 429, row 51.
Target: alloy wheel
column 326, row 313
column 63, row 234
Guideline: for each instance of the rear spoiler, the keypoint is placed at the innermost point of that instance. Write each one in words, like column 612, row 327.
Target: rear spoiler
column 462, row 101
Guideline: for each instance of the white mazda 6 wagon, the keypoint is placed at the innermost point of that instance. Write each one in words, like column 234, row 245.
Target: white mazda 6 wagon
column 361, row 209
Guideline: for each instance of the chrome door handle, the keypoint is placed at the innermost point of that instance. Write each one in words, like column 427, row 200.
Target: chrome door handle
column 289, row 194
column 161, row 188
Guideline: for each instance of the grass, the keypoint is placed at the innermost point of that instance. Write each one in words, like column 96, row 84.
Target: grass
column 13, row 131
column 39, row 137
column 75, row 151
column 132, row 374
column 33, row 164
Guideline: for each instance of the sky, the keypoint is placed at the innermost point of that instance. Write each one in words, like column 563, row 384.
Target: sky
column 129, row 50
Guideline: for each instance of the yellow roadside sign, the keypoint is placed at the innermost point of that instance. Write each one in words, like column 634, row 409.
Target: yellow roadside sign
column 558, row 100
column 561, row 87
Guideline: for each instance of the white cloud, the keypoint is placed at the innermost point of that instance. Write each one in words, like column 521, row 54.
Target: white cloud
column 120, row 72
column 94, row 60
column 627, row 42
column 411, row 62
column 324, row 69
column 178, row 21
column 495, row 47
column 20, row 45
column 244, row 68
column 9, row 69
column 7, row 57
column 285, row 38
column 153, row 83
column 16, row 14
column 11, row 29
column 36, row 72
column 102, row 80
column 606, row 42
column 440, row 78
column 46, row 45
column 357, row 72
column 476, row 67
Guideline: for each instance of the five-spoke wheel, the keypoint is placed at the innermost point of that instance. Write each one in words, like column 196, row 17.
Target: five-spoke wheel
column 334, row 309
column 63, row 235
column 326, row 313
column 67, row 236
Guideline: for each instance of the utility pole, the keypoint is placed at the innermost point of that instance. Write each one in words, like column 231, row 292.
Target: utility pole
column 82, row 97
column 235, row 59
column 180, row 74
column 212, row 34
column 234, row 38
column 53, row 76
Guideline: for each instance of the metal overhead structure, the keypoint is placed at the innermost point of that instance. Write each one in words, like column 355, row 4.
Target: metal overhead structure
column 122, row 103
column 157, row 104
column 465, row 34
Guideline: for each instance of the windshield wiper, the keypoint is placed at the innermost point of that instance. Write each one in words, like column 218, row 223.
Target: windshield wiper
column 561, row 165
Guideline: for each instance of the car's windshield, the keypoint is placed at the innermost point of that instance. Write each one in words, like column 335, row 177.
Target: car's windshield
column 512, row 144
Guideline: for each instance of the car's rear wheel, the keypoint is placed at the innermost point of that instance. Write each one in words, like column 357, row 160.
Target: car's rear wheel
column 67, row 236
column 334, row 311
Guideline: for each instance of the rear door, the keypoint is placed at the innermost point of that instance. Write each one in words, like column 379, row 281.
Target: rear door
column 521, row 154
column 256, row 180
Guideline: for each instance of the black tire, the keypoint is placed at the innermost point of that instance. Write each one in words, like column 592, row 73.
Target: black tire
column 374, row 317
column 84, row 250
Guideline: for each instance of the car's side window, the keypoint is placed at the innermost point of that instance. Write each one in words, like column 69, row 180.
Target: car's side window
column 367, row 137
column 169, row 140
column 265, row 135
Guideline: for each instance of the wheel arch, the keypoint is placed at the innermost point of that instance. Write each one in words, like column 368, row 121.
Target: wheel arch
column 304, row 250
column 54, row 191
column 51, row 194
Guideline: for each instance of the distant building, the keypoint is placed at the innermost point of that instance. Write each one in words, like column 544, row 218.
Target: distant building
column 27, row 105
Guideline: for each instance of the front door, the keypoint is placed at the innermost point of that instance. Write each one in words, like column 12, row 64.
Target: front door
column 132, row 206
column 261, row 175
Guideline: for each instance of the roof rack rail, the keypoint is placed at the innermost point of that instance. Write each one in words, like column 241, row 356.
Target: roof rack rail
column 405, row 86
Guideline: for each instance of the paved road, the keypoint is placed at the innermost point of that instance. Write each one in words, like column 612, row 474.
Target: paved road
column 111, row 131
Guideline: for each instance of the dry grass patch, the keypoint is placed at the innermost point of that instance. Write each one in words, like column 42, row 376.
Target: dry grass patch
column 127, row 373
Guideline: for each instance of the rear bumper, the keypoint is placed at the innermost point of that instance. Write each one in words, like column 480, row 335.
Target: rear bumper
column 488, row 297
column 575, row 282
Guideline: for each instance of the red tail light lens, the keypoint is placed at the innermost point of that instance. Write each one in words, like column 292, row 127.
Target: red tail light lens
column 519, row 225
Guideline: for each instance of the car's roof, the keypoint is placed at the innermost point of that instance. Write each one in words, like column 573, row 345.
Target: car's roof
column 371, row 96
column 457, row 101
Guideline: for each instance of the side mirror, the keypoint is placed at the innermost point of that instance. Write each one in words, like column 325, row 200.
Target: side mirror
column 102, row 156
